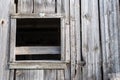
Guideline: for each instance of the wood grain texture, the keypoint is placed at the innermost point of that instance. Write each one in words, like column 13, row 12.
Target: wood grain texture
column 60, row 75
column 37, row 50
column 50, row 75
column 59, row 6
column 72, row 39
column 44, row 6
column 114, row 76
column 12, row 39
column 78, row 40
column 109, row 21
column 38, row 65
column 4, row 39
column 66, row 12
column 29, row 75
column 25, row 6
column 90, row 40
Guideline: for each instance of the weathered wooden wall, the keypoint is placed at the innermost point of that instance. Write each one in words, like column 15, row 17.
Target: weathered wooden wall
column 4, row 36
column 109, row 24
column 94, row 33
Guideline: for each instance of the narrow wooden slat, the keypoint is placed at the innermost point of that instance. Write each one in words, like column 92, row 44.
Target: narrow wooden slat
column 72, row 35
column 37, row 65
column 109, row 21
column 12, row 40
column 65, row 9
column 67, row 29
column 37, row 50
column 78, row 41
column 25, row 6
column 63, row 39
column 90, row 40
column 40, row 15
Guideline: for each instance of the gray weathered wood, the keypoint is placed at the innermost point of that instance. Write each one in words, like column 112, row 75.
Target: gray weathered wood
column 40, row 15
column 114, row 76
column 78, row 40
column 37, row 65
column 63, row 39
column 67, row 30
column 4, row 39
column 90, row 40
column 60, row 75
column 12, row 39
column 59, row 6
column 39, row 6
column 44, row 6
column 72, row 36
column 109, row 14
column 65, row 9
column 12, row 44
column 25, row 6
column 12, row 8
column 29, row 75
column 50, row 75
column 37, row 50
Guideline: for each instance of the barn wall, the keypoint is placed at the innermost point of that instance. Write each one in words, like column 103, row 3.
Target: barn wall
column 94, row 35
column 109, row 24
column 4, row 36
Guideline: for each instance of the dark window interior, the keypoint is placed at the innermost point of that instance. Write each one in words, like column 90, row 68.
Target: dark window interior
column 38, row 57
column 38, row 32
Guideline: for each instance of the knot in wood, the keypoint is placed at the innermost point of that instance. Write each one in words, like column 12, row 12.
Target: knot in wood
column 2, row 22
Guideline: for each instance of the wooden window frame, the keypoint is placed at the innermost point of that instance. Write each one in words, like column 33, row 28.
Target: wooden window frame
column 37, row 64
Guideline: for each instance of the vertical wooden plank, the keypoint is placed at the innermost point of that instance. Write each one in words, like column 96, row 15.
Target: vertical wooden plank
column 78, row 75
column 72, row 37
column 12, row 44
column 67, row 30
column 62, row 39
column 45, row 6
column 66, row 11
column 109, row 21
column 25, row 6
column 12, row 39
column 4, row 37
column 90, row 40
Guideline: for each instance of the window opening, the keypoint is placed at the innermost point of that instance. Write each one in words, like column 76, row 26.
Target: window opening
column 39, row 32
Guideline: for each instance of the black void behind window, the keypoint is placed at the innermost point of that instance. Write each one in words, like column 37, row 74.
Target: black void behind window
column 38, row 32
